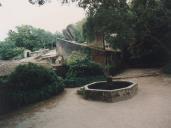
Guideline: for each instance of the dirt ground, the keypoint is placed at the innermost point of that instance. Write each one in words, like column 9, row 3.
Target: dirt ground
column 150, row 108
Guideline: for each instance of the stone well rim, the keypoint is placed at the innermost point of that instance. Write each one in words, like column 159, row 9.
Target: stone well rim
column 132, row 84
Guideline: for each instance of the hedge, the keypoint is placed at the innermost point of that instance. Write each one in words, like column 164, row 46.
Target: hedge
column 30, row 83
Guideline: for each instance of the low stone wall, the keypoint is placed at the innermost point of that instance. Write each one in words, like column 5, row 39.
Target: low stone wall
column 108, row 95
column 7, row 67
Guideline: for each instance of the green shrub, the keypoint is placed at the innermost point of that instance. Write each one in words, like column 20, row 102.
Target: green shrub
column 81, row 66
column 84, row 68
column 81, row 70
column 75, row 57
column 30, row 83
column 31, row 76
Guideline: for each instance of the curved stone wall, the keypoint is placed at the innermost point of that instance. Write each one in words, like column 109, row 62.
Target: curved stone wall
column 109, row 95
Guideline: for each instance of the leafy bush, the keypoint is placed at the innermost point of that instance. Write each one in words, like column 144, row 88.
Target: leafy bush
column 31, row 76
column 30, row 83
column 75, row 57
column 84, row 68
column 81, row 70
column 81, row 66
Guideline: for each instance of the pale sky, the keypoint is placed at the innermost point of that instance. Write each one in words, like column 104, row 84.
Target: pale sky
column 51, row 16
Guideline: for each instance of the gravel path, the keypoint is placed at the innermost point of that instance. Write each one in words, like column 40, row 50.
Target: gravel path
column 150, row 108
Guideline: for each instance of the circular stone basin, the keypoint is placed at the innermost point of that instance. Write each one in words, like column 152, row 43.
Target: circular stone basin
column 109, row 92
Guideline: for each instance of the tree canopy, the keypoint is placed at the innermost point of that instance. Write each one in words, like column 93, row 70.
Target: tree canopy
column 26, row 37
column 31, row 38
column 142, row 27
column 152, row 29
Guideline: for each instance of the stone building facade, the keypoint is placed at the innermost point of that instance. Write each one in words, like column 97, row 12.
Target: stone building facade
column 96, row 50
